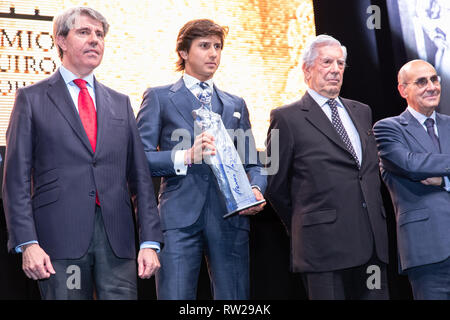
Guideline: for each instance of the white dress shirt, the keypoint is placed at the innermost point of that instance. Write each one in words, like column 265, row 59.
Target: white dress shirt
column 193, row 85
column 345, row 119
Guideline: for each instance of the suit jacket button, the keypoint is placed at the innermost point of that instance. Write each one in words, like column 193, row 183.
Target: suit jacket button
column 94, row 163
column 92, row 194
column 364, row 205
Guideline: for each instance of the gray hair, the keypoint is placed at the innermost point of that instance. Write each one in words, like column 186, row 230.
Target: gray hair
column 310, row 54
column 65, row 21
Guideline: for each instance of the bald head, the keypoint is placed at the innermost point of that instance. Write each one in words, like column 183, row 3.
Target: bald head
column 404, row 73
column 419, row 84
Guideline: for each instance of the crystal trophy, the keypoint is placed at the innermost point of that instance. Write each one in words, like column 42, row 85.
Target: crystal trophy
column 226, row 163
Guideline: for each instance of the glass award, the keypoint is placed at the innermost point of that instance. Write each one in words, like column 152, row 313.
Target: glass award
column 226, row 163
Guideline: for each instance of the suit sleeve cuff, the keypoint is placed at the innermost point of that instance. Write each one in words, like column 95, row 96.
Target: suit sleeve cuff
column 152, row 245
column 19, row 247
column 178, row 163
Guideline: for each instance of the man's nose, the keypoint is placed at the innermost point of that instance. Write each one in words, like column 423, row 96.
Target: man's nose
column 334, row 66
column 432, row 85
column 94, row 38
column 213, row 51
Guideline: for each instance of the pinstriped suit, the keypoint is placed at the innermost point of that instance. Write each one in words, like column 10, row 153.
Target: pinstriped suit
column 52, row 175
column 191, row 204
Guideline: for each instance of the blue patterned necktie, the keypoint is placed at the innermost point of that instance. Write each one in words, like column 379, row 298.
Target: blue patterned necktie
column 337, row 123
column 205, row 95
column 429, row 123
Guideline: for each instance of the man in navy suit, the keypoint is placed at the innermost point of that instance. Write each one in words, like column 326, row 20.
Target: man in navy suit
column 73, row 159
column 414, row 149
column 190, row 203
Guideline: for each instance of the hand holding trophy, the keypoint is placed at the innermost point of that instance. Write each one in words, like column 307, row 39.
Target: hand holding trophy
column 225, row 163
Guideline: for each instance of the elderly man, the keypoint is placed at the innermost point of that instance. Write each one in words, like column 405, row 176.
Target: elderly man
column 414, row 149
column 326, row 190
column 73, row 159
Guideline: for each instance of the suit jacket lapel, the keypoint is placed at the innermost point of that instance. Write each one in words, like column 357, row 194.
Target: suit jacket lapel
column 228, row 107
column 60, row 97
column 179, row 95
column 320, row 120
column 417, row 131
column 103, row 103
column 443, row 126
column 356, row 119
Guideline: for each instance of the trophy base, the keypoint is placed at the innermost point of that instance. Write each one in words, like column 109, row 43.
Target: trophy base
column 229, row 214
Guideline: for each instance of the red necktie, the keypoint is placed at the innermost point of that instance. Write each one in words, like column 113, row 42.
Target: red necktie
column 87, row 112
column 88, row 116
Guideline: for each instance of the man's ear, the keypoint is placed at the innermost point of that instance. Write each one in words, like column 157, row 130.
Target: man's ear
column 306, row 72
column 402, row 90
column 61, row 42
column 183, row 54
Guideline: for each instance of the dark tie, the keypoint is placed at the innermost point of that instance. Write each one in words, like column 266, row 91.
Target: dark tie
column 429, row 123
column 337, row 123
column 205, row 95
column 88, row 116
column 87, row 112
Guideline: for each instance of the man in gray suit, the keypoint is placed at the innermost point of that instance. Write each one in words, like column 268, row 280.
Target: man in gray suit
column 190, row 203
column 414, row 149
column 73, row 159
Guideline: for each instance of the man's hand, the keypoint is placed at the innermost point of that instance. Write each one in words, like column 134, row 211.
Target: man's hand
column 254, row 210
column 36, row 263
column 434, row 181
column 203, row 146
column 148, row 263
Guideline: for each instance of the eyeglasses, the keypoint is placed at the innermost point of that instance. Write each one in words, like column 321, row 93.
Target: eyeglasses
column 423, row 82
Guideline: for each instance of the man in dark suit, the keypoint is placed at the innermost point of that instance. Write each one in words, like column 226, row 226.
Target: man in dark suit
column 73, row 159
column 414, row 149
column 190, row 203
column 326, row 190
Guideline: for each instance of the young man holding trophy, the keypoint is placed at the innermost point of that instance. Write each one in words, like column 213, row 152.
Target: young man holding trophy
column 182, row 127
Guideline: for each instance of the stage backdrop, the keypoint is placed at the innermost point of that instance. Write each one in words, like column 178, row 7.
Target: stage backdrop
column 260, row 62
column 423, row 28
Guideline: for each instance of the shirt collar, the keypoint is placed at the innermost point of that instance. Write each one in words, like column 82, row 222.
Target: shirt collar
column 420, row 116
column 321, row 100
column 191, row 81
column 68, row 77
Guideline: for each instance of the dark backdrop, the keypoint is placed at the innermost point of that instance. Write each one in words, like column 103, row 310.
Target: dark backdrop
column 373, row 60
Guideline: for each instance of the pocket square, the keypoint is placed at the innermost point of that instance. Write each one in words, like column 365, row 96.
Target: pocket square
column 237, row 115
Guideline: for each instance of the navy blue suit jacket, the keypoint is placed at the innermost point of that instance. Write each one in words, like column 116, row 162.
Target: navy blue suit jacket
column 408, row 156
column 165, row 110
column 52, row 175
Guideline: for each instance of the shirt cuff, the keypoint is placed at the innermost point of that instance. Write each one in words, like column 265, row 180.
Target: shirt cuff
column 178, row 163
column 447, row 184
column 19, row 247
column 151, row 245
column 257, row 187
